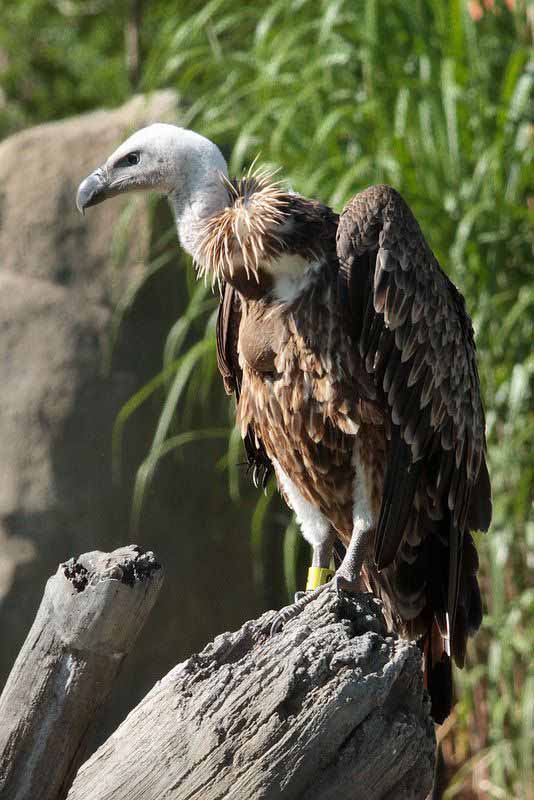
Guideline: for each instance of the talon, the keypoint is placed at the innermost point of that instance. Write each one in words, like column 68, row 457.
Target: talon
column 283, row 616
column 276, row 627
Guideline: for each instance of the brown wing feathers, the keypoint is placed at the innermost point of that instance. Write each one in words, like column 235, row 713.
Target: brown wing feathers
column 227, row 329
column 400, row 484
column 410, row 325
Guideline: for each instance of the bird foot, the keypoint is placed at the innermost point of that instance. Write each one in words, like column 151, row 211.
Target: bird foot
column 339, row 583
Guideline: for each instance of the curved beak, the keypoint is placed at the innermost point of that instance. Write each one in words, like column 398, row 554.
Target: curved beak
column 92, row 190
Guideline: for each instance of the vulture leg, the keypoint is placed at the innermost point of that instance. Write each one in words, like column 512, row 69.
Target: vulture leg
column 322, row 553
column 346, row 578
column 315, row 528
column 347, row 575
column 320, row 571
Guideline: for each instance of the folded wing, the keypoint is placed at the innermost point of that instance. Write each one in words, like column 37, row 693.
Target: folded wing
column 411, row 329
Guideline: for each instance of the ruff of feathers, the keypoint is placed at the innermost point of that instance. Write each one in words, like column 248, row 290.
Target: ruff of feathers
column 244, row 233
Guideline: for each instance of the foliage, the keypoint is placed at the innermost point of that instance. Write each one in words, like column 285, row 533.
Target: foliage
column 430, row 96
column 54, row 61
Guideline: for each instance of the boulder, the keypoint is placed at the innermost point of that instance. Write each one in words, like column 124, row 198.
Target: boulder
column 61, row 278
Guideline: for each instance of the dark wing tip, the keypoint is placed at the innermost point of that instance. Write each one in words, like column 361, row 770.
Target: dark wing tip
column 440, row 689
column 481, row 506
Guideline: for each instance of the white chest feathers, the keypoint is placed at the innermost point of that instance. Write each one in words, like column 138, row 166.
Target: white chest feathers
column 292, row 274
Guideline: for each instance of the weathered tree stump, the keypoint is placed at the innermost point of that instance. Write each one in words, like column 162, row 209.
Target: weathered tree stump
column 91, row 613
column 332, row 707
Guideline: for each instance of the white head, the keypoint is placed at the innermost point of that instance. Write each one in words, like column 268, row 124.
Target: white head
column 166, row 159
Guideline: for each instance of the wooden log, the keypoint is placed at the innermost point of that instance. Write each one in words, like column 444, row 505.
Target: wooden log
column 332, row 707
column 91, row 613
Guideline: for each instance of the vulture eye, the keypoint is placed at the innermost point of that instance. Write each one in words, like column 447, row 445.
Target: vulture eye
column 128, row 161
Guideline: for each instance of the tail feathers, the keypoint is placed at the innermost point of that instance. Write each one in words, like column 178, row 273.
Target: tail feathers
column 438, row 674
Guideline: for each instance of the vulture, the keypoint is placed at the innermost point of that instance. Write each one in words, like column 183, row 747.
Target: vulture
column 352, row 360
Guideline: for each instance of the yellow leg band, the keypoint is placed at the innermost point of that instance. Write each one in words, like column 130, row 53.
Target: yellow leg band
column 317, row 576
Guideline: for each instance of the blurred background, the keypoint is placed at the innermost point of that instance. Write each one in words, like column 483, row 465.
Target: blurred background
column 114, row 425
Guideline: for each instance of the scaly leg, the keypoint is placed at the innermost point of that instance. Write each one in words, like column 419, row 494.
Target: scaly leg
column 322, row 552
column 348, row 574
column 321, row 558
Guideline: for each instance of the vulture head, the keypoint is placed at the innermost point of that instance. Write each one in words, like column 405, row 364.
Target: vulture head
column 169, row 160
column 232, row 229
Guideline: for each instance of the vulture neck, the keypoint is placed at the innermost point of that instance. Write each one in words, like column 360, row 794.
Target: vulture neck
column 193, row 203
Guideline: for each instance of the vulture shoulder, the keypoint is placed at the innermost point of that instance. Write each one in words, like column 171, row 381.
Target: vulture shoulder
column 409, row 323
column 227, row 336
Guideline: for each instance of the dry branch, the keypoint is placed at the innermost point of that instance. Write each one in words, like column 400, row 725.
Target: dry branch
column 333, row 707
column 91, row 613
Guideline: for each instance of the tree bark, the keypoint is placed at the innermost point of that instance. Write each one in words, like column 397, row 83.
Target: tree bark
column 91, row 613
column 332, row 707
